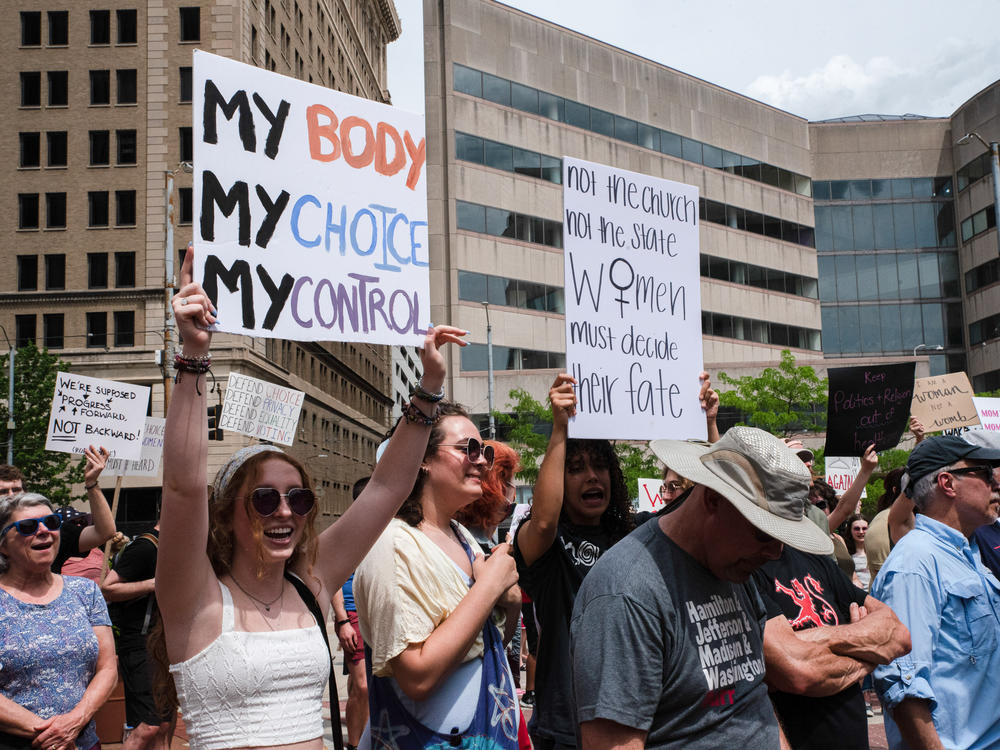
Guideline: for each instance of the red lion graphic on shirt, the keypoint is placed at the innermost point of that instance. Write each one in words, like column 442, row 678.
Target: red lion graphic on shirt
column 814, row 610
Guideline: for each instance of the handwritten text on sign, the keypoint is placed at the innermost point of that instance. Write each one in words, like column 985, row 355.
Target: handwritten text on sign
column 944, row 401
column 261, row 409
column 148, row 463
column 649, row 494
column 312, row 208
column 90, row 411
column 633, row 303
column 841, row 471
column 867, row 404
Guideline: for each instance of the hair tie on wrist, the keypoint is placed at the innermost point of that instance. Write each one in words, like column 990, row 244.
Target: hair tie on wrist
column 89, row 487
column 420, row 392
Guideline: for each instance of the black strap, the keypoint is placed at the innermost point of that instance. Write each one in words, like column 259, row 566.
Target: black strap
column 313, row 606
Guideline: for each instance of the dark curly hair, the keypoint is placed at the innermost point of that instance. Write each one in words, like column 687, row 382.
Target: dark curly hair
column 617, row 519
column 892, row 486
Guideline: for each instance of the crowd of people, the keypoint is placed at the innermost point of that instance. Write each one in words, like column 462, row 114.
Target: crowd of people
column 755, row 609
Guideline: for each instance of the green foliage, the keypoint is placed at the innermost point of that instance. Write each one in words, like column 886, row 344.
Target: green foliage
column 636, row 462
column 46, row 472
column 785, row 400
column 519, row 428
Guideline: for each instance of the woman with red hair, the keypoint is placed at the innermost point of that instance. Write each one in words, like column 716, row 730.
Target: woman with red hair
column 483, row 516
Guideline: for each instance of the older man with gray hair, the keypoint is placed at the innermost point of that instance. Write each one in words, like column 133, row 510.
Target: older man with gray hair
column 944, row 693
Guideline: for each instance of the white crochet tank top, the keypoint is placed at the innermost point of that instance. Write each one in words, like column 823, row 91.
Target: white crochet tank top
column 246, row 689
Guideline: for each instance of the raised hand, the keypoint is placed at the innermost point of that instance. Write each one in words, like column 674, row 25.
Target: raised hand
column 193, row 310
column 562, row 396
column 97, row 459
column 431, row 357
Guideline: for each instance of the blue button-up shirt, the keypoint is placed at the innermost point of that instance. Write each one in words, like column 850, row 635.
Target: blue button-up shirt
column 939, row 588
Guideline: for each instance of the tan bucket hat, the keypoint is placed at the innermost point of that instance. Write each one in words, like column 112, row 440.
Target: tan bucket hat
column 762, row 478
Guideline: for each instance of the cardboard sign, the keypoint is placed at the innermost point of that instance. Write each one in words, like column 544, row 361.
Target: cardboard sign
column 989, row 412
column 649, row 495
column 260, row 409
column 944, row 402
column 311, row 206
column 90, row 411
column 633, row 303
column 148, row 463
column 867, row 404
column 841, row 471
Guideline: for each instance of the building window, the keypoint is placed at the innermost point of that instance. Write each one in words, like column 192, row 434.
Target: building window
column 30, row 148
column 52, row 331
column 31, row 89
column 100, row 27
column 128, row 90
column 27, row 273
column 125, row 208
column 57, row 148
column 58, row 28
column 186, row 207
column 97, row 208
column 58, row 88
column 97, row 270
column 97, row 330
column 27, row 211
column 24, row 330
column 55, row 271
column 100, row 148
column 190, row 24
column 187, row 85
column 186, row 145
column 31, row 28
column 125, row 269
column 124, row 328
column 128, row 25
column 126, row 146
column 100, row 87
column 55, row 210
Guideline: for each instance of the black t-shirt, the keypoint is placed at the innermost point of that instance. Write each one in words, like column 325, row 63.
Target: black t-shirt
column 552, row 583
column 137, row 562
column 69, row 545
column 812, row 591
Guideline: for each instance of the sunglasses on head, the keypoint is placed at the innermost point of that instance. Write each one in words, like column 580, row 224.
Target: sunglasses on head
column 474, row 449
column 29, row 526
column 266, row 500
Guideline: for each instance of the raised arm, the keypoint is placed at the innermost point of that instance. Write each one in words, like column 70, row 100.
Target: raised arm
column 901, row 518
column 103, row 527
column 848, row 503
column 344, row 544
column 538, row 532
column 709, row 400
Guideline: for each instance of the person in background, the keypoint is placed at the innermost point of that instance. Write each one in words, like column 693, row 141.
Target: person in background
column 856, row 546
column 11, row 480
column 75, row 541
column 92, row 564
column 877, row 544
column 902, row 514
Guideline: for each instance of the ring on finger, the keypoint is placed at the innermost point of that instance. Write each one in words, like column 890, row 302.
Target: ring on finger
column 183, row 301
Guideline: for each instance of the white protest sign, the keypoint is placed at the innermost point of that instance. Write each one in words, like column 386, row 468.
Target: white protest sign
column 633, row 303
column 148, row 463
column 90, row 411
column 649, row 494
column 311, row 208
column 520, row 513
column 261, row 409
column 841, row 472
column 989, row 412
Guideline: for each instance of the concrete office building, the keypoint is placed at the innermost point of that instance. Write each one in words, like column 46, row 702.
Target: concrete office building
column 99, row 112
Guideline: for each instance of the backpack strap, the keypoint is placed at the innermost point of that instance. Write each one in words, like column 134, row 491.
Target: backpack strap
column 313, row 606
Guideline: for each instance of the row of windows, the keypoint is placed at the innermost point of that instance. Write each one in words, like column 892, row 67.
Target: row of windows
column 984, row 330
column 537, row 102
column 735, row 217
column 126, row 25
column 497, row 290
column 973, row 171
column 737, row 272
column 126, row 87
column 890, row 328
column 760, row 331
column 882, row 190
column 979, row 222
column 53, row 329
column 98, row 208
column 55, row 271
column 888, row 226
column 499, row 222
column 984, row 275
column 57, row 151
column 476, row 357
column 887, row 276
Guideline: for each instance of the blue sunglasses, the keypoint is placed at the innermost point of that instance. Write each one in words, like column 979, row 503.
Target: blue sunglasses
column 29, row 526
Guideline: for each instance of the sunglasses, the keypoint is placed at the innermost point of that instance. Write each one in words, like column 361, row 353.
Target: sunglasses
column 10, row 491
column 983, row 472
column 671, row 487
column 474, row 449
column 29, row 526
column 266, row 500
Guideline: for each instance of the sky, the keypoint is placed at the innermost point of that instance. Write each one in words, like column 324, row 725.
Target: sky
column 816, row 60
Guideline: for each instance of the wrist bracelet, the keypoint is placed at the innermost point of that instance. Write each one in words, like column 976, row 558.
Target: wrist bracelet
column 196, row 365
column 420, row 392
column 89, row 487
column 413, row 415
column 342, row 622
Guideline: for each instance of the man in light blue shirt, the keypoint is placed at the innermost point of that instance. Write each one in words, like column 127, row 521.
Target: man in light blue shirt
column 945, row 692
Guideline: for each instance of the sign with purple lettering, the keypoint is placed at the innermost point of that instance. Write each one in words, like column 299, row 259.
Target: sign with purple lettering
column 867, row 404
column 633, row 303
column 310, row 209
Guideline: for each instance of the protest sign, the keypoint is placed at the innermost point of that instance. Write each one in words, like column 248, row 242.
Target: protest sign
column 633, row 303
column 867, row 404
column 944, row 402
column 90, row 411
column 261, row 409
column 989, row 412
column 649, row 494
column 311, row 208
column 841, row 472
column 521, row 511
column 148, row 463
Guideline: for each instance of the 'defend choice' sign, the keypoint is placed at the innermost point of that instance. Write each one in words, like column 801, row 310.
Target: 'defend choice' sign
column 311, row 208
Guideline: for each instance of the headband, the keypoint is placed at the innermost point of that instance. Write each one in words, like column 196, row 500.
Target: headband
column 225, row 474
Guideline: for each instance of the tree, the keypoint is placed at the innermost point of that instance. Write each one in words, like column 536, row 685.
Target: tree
column 785, row 400
column 46, row 472
column 637, row 463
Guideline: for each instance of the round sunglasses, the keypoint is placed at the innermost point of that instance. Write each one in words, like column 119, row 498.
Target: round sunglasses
column 265, row 500
column 29, row 526
column 474, row 449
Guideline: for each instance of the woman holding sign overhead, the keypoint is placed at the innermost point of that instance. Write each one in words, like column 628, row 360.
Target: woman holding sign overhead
column 243, row 580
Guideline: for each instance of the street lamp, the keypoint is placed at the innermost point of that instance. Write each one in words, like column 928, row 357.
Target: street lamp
column 994, row 148
column 489, row 357
column 918, row 347
column 168, row 275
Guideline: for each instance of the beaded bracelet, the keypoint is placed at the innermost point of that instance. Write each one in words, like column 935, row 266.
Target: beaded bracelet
column 420, row 392
column 89, row 486
column 197, row 365
column 413, row 415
